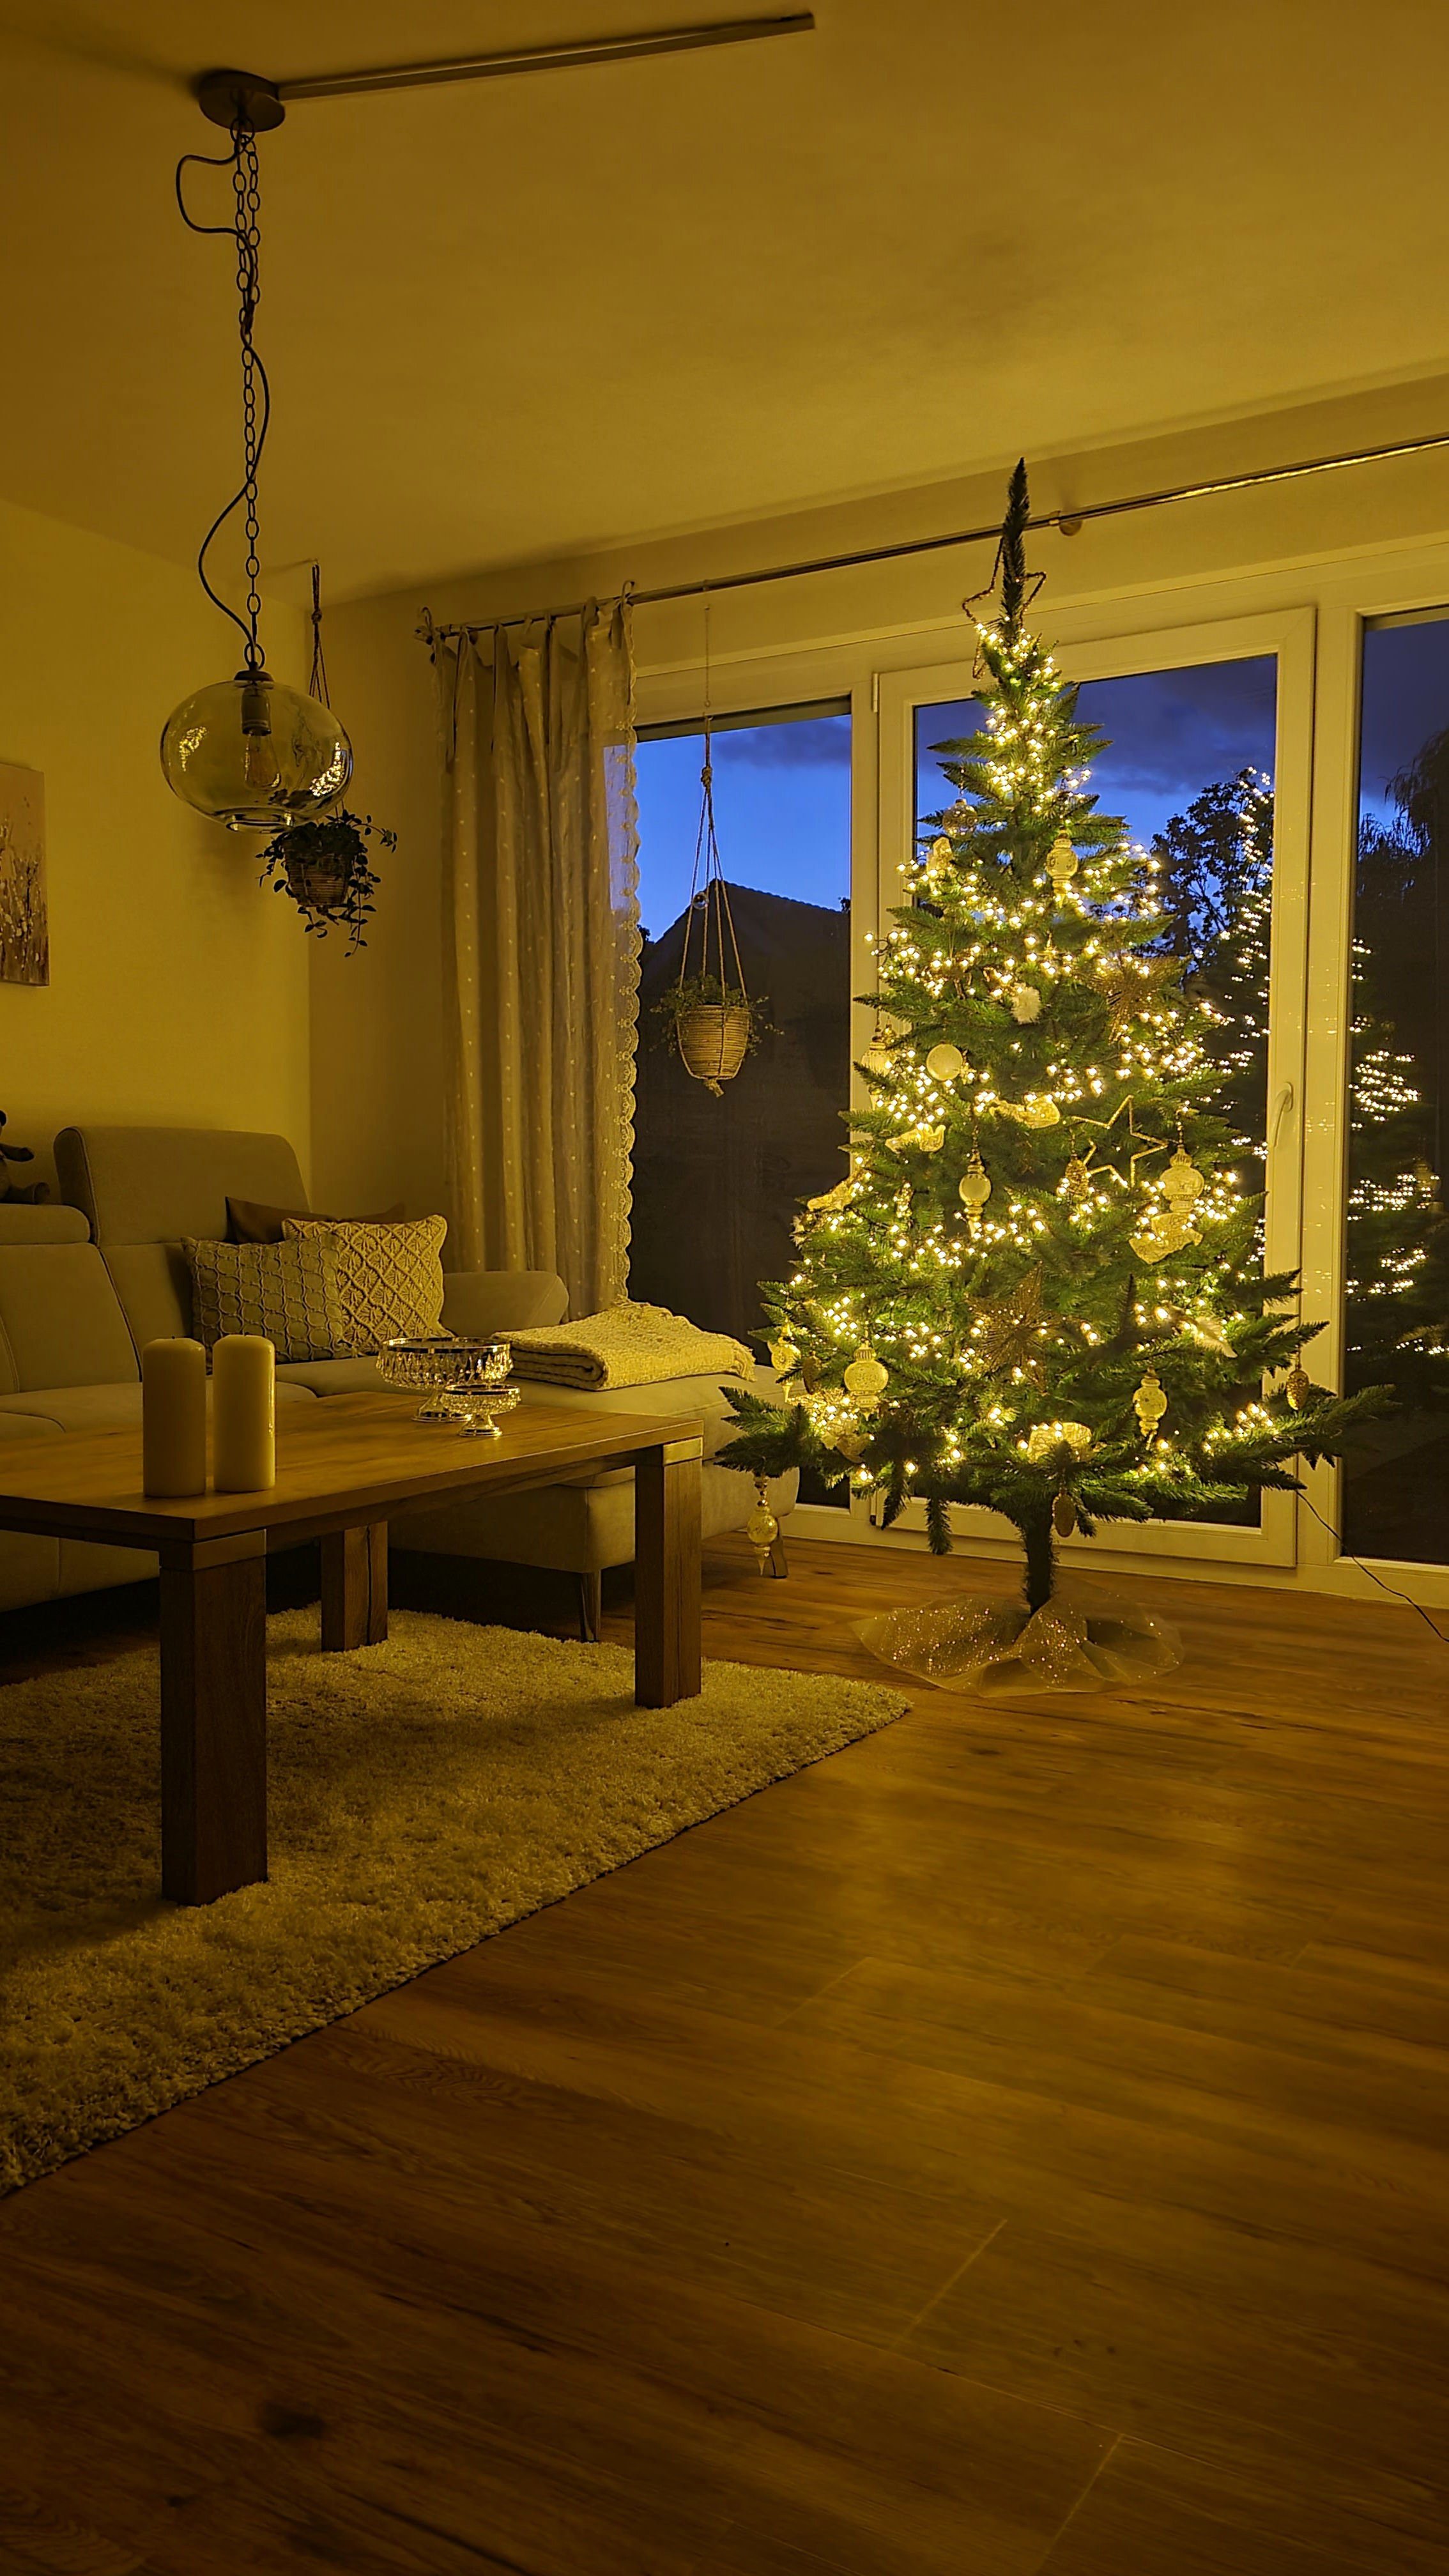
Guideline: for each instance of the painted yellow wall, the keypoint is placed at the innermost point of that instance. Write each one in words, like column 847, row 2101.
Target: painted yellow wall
column 179, row 990
column 377, row 1058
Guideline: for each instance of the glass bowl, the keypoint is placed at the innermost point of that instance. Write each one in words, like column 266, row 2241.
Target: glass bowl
column 463, row 1380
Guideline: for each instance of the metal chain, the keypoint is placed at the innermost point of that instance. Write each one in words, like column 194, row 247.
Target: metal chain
column 246, row 183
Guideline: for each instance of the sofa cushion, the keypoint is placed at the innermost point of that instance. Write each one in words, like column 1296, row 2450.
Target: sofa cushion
column 155, row 1184
column 701, row 1398
column 389, row 1277
column 287, row 1292
column 42, row 1224
column 153, row 1284
column 15, row 1426
column 251, row 1221
column 334, row 1377
column 59, row 1316
column 94, row 1408
column 579, row 1529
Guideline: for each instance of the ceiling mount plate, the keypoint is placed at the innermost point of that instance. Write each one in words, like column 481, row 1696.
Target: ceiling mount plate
column 239, row 98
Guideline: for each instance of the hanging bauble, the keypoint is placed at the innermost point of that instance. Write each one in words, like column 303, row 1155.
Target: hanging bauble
column 866, row 1378
column 1045, row 1438
column 974, row 1189
column 783, row 1357
column 1064, row 1514
column 1025, row 1004
column 945, row 1062
column 1036, row 1111
column 1298, row 1386
column 879, row 1056
column 762, row 1529
column 1150, row 1403
column 253, row 754
column 1182, row 1182
column 1076, row 1179
column 940, row 853
column 1062, row 863
column 851, row 1445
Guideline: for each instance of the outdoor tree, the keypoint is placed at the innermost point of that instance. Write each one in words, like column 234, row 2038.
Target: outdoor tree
column 1038, row 1287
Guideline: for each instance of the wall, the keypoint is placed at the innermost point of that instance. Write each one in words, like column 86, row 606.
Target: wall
column 377, row 1063
column 179, row 990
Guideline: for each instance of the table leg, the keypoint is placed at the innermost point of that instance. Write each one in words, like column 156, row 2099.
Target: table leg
column 213, row 1716
column 666, row 1573
column 354, row 1587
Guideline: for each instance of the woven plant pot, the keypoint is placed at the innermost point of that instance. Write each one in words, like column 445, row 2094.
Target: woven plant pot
column 319, row 883
column 713, row 1038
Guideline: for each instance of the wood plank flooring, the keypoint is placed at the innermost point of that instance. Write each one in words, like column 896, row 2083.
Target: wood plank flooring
column 1018, row 2146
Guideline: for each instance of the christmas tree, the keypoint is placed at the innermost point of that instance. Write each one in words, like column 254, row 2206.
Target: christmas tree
column 1038, row 1288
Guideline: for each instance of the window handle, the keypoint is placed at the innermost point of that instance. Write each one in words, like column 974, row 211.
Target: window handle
column 1282, row 1110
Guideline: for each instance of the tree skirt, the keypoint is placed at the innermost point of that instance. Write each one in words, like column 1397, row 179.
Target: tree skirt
column 423, row 1794
column 978, row 1642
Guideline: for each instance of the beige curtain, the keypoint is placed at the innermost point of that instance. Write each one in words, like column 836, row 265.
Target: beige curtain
column 541, row 947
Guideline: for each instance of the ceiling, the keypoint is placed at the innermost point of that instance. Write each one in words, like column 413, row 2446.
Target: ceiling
column 513, row 318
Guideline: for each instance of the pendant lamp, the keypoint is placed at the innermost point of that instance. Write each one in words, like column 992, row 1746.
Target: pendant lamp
column 249, row 751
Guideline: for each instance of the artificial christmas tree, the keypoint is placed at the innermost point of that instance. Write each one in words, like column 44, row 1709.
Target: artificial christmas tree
column 1038, row 1287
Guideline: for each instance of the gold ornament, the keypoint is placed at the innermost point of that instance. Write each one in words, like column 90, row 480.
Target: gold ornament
column 919, row 1140
column 879, row 1056
column 1032, row 1112
column 945, row 1062
column 1010, row 1329
column 762, row 1529
column 940, row 853
column 866, row 1378
column 842, row 1196
column 1046, row 1437
column 1127, row 984
column 1150, row 1403
column 783, row 1357
column 1298, row 1386
column 1162, row 1233
column 1182, row 1182
column 1064, row 1514
column 974, row 1189
column 1025, row 1004
column 1062, row 863
column 851, row 1445
column 1077, row 1178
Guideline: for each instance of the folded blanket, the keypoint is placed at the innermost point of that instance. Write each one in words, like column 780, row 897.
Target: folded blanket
column 627, row 1345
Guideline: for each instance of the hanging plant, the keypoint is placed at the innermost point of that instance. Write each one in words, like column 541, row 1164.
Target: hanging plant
column 326, row 865
column 326, row 868
column 713, row 1019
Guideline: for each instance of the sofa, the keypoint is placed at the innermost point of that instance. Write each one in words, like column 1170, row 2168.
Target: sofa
column 85, row 1285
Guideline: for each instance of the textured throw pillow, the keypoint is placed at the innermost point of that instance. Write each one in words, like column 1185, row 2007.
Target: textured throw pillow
column 252, row 1221
column 389, row 1277
column 285, row 1291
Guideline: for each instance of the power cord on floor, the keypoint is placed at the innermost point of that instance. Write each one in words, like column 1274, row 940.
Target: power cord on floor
column 1337, row 1536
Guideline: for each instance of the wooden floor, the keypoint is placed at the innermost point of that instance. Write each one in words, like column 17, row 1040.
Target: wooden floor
column 1016, row 2144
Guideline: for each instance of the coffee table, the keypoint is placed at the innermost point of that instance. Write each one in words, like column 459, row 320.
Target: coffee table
column 343, row 1470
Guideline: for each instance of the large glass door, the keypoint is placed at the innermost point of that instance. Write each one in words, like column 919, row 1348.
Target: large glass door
column 1207, row 763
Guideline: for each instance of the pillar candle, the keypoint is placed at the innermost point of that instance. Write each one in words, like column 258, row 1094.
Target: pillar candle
column 243, row 1414
column 173, row 1418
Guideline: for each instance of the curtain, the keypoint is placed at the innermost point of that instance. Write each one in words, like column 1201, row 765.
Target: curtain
column 541, row 947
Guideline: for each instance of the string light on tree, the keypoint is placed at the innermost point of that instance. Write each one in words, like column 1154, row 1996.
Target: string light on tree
column 1019, row 1360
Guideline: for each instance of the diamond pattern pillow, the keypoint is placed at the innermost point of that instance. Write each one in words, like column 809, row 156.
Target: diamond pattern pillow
column 389, row 1277
column 287, row 1292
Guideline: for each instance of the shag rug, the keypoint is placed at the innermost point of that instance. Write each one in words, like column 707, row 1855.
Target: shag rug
column 423, row 1793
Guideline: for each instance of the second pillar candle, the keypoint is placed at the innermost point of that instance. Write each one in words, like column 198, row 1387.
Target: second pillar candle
column 243, row 1414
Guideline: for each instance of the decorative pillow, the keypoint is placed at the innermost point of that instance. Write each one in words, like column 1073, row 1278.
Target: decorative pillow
column 285, row 1291
column 389, row 1277
column 251, row 1221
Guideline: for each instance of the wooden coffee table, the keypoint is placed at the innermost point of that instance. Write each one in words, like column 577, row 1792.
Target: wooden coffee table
column 343, row 1470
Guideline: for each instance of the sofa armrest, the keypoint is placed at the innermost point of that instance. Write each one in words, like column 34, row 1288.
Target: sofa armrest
column 495, row 1301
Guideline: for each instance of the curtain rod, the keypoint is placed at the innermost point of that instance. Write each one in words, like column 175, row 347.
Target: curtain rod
column 1068, row 523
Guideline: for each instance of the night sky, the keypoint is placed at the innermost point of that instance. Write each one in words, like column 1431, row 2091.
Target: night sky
column 782, row 791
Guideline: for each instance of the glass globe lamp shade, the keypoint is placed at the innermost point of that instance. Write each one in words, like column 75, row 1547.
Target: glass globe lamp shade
column 254, row 754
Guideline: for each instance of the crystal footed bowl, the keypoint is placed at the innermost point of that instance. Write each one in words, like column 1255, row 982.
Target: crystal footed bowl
column 463, row 1381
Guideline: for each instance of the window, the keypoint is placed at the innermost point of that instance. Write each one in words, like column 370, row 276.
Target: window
column 1396, row 1489
column 717, row 1182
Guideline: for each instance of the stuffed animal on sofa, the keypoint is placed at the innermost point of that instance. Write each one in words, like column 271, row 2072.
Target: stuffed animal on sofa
column 37, row 1191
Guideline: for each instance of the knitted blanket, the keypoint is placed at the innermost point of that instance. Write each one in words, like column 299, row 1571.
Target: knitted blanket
column 627, row 1345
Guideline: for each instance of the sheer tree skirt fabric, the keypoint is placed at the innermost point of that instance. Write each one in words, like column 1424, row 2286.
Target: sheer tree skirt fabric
column 998, row 1649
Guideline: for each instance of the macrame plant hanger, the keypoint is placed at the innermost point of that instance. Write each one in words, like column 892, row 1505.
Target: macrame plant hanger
column 713, row 1033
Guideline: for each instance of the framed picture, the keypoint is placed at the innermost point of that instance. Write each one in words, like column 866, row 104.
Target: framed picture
column 24, row 930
